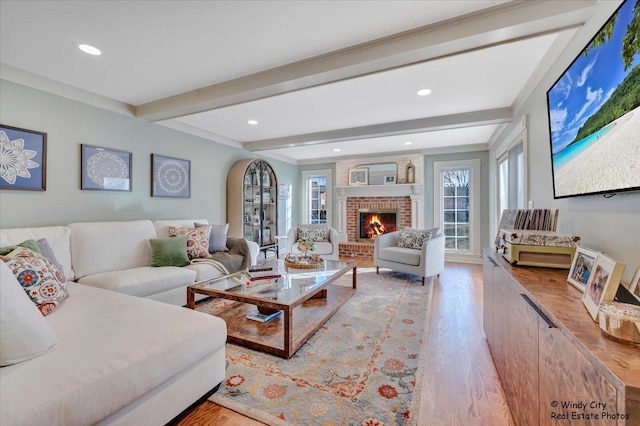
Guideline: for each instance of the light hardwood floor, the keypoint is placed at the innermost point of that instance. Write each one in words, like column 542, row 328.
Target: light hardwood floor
column 460, row 385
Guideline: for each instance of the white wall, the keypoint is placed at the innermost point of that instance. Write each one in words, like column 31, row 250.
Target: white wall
column 69, row 123
column 611, row 225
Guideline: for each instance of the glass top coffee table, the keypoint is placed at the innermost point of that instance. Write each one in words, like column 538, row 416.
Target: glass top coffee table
column 307, row 297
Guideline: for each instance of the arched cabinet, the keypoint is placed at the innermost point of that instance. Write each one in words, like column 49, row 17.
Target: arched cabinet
column 252, row 202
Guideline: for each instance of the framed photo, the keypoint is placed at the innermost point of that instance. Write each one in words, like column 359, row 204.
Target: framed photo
column 358, row 176
column 581, row 267
column 23, row 159
column 170, row 177
column 603, row 284
column 105, row 169
column 634, row 287
column 390, row 180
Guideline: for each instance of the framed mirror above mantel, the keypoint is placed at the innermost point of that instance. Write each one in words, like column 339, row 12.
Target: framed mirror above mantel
column 382, row 171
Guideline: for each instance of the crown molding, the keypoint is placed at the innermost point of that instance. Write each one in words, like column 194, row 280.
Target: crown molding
column 35, row 81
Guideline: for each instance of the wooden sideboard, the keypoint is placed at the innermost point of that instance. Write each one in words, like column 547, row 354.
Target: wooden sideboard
column 550, row 355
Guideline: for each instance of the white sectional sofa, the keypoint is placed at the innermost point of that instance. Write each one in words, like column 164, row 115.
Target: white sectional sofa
column 119, row 359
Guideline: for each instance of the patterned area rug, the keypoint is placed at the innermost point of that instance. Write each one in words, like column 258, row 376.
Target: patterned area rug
column 360, row 368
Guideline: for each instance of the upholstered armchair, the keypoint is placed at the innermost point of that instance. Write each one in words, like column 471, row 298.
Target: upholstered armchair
column 425, row 262
column 327, row 249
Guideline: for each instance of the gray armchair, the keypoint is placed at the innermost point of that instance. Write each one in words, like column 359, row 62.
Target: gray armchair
column 426, row 262
column 327, row 249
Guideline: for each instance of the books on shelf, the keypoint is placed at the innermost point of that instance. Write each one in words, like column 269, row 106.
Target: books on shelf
column 257, row 316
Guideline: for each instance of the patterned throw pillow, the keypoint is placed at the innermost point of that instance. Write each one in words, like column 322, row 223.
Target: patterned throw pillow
column 197, row 241
column 413, row 239
column 313, row 234
column 38, row 276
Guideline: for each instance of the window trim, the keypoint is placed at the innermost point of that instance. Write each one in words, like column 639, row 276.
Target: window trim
column 475, row 202
column 305, row 200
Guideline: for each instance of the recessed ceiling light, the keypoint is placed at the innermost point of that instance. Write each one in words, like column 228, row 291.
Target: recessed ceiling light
column 252, row 122
column 336, row 149
column 89, row 49
column 408, row 143
column 424, row 92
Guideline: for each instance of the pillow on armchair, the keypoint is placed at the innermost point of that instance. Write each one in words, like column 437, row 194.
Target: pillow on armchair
column 414, row 238
column 313, row 234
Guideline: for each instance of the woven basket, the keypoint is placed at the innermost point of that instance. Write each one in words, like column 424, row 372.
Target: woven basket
column 290, row 263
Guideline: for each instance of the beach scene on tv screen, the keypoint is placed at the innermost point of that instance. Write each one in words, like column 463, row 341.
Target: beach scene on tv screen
column 594, row 112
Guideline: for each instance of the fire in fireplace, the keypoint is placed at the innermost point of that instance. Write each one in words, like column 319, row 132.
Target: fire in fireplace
column 375, row 223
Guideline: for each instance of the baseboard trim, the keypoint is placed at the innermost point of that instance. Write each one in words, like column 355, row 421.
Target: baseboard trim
column 463, row 258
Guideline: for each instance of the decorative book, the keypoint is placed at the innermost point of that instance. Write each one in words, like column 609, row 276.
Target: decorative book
column 257, row 316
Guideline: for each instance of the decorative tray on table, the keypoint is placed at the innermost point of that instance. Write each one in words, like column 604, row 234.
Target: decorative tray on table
column 300, row 262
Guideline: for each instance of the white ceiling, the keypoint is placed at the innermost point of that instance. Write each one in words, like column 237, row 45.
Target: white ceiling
column 317, row 75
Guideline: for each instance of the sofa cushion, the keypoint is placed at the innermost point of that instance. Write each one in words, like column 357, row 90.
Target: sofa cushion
column 197, row 241
column 110, row 246
column 112, row 349
column 24, row 332
column 218, row 237
column 169, row 251
column 45, row 285
column 30, row 244
column 141, row 281
column 47, row 251
column 162, row 226
column 400, row 255
column 58, row 237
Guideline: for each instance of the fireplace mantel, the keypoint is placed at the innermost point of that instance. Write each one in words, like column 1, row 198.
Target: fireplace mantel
column 379, row 190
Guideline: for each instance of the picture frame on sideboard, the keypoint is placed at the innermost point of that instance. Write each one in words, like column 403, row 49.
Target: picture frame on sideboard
column 583, row 261
column 634, row 286
column 603, row 284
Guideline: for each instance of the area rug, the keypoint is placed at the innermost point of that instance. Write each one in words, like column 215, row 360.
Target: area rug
column 360, row 368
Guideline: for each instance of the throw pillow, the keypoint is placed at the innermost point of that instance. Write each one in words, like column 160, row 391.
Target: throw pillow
column 26, row 333
column 47, row 251
column 40, row 279
column 169, row 251
column 30, row 244
column 313, row 234
column 197, row 242
column 413, row 239
column 218, row 238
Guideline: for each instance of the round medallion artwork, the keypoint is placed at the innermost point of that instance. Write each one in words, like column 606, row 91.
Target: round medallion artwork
column 172, row 177
column 103, row 165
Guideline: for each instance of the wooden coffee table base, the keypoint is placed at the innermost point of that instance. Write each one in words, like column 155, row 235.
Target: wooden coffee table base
column 299, row 323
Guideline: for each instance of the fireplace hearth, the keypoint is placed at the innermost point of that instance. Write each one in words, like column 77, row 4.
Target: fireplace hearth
column 373, row 223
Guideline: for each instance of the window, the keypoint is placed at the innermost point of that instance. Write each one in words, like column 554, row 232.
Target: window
column 511, row 161
column 511, row 181
column 317, row 205
column 457, row 205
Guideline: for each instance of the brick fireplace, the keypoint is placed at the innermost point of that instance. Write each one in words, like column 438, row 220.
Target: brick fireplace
column 406, row 208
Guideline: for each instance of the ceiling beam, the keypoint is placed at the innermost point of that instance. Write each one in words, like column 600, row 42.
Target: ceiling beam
column 496, row 25
column 430, row 124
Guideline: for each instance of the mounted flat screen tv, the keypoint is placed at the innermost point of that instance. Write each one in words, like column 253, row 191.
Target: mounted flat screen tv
column 594, row 112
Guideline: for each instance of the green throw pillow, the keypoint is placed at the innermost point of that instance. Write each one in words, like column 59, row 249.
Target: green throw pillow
column 169, row 251
column 30, row 244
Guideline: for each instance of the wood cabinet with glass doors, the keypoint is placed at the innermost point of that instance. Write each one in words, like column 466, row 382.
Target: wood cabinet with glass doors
column 252, row 203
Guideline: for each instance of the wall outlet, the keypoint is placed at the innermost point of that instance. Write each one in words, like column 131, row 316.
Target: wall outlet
column 530, row 204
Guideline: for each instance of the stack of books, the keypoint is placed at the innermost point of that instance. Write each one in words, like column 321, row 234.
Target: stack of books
column 257, row 316
column 256, row 277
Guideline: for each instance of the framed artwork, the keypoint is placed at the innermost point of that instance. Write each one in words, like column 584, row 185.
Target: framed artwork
column 581, row 267
column 170, row 177
column 603, row 284
column 634, row 287
column 105, row 169
column 358, row 176
column 23, row 159
column 390, row 180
